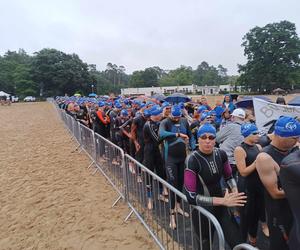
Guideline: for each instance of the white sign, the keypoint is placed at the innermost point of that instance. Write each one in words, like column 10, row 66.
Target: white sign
column 267, row 113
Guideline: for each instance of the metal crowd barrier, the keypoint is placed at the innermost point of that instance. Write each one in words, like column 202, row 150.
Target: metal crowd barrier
column 87, row 141
column 244, row 247
column 110, row 161
column 136, row 185
column 147, row 200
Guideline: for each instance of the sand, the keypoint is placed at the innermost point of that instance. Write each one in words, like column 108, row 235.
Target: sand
column 48, row 197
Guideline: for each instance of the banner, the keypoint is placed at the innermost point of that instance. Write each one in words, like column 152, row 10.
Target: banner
column 266, row 113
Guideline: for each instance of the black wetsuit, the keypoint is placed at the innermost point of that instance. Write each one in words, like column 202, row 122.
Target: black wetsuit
column 252, row 186
column 82, row 114
column 202, row 176
column 174, row 152
column 290, row 180
column 264, row 140
column 139, row 122
column 121, row 124
column 279, row 214
column 112, row 116
column 152, row 156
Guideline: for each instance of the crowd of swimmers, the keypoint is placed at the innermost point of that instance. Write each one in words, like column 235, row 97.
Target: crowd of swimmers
column 215, row 155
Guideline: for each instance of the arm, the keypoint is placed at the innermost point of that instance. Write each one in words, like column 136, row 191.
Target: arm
column 222, row 135
column 265, row 166
column 240, row 159
column 191, row 137
column 163, row 133
column 190, row 187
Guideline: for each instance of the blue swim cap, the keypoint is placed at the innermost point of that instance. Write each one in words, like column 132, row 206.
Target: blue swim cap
column 204, row 115
column 219, row 111
column 155, row 110
column 212, row 112
column 206, row 128
column 176, row 111
column 201, row 109
column 147, row 113
column 287, row 126
column 118, row 105
column 165, row 104
column 142, row 105
column 248, row 128
column 101, row 104
column 124, row 112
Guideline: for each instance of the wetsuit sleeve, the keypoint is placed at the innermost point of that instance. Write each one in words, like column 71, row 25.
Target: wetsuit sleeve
column 191, row 183
column 163, row 132
column 190, row 135
column 190, row 178
column 146, row 132
column 227, row 170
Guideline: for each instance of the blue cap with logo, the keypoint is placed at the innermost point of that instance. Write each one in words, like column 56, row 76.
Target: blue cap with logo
column 287, row 126
column 155, row 110
column 124, row 112
column 206, row 128
column 176, row 111
column 205, row 115
column 165, row 104
column 147, row 113
column 201, row 109
column 118, row 105
column 101, row 104
column 248, row 129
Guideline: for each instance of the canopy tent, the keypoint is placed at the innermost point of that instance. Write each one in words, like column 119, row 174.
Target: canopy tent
column 295, row 101
column 247, row 101
column 177, row 97
column 2, row 93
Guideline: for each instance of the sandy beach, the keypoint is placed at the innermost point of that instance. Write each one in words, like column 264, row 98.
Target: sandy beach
column 48, row 197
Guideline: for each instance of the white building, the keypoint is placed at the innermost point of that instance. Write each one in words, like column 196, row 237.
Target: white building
column 230, row 88
column 186, row 89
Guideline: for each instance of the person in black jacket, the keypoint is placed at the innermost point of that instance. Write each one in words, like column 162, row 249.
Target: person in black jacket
column 152, row 156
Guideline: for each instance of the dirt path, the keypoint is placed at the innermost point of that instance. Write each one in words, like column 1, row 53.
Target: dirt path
column 48, row 198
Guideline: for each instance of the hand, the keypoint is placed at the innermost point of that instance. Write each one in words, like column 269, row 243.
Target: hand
column 234, row 199
column 137, row 146
column 183, row 136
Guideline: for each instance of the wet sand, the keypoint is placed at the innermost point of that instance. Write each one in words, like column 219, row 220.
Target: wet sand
column 48, row 197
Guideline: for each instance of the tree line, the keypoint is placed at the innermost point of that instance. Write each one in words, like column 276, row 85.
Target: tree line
column 272, row 54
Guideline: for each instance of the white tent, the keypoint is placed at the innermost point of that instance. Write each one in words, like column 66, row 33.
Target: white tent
column 2, row 93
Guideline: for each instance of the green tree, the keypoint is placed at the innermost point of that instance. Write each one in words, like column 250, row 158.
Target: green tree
column 180, row 76
column 272, row 52
column 15, row 73
column 58, row 73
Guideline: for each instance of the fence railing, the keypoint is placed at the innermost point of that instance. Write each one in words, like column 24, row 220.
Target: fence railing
column 148, row 196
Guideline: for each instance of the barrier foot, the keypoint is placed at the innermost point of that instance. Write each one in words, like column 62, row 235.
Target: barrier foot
column 128, row 216
column 116, row 201
column 95, row 171
column 76, row 149
column 91, row 164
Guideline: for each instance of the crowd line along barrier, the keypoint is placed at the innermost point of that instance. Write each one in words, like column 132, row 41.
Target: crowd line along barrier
column 149, row 196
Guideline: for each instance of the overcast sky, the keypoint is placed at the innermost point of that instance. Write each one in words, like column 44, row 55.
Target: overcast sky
column 138, row 33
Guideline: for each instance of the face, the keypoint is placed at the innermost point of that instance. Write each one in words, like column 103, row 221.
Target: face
column 167, row 111
column 227, row 98
column 204, row 100
column 254, row 137
column 175, row 119
column 289, row 142
column 226, row 114
column 156, row 118
column 76, row 108
column 206, row 143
